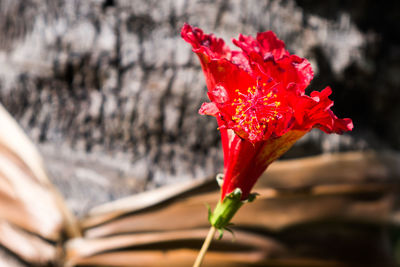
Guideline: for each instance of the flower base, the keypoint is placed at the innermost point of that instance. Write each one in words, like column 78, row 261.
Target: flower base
column 225, row 210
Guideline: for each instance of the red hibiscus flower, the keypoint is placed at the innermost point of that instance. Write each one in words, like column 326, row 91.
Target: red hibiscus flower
column 258, row 97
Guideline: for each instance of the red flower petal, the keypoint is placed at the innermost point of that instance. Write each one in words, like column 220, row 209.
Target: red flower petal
column 273, row 60
column 215, row 58
column 315, row 112
column 267, row 45
column 208, row 109
column 208, row 44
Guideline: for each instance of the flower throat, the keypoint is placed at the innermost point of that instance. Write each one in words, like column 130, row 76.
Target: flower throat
column 256, row 110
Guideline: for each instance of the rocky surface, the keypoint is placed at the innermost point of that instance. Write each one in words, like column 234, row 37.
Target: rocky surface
column 110, row 92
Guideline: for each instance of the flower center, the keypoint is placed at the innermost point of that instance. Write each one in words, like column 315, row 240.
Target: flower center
column 256, row 110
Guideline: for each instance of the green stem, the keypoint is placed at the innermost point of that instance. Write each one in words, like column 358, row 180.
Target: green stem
column 205, row 246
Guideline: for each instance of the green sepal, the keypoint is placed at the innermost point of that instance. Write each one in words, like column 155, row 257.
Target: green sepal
column 209, row 211
column 225, row 210
column 251, row 198
column 231, row 231
column 221, row 233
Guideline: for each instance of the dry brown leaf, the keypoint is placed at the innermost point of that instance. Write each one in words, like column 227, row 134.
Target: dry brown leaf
column 27, row 246
column 25, row 202
column 356, row 171
column 32, row 213
column 273, row 213
column 339, row 168
column 255, row 247
column 362, row 198
column 141, row 201
column 12, row 137
column 185, row 258
column 24, row 180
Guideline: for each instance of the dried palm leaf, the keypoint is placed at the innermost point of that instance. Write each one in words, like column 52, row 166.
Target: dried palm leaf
column 346, row 204
column 337, row 174
column 29, row 247
column 33, row 216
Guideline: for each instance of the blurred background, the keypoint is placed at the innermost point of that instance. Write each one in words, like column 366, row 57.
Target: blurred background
column 109, row 92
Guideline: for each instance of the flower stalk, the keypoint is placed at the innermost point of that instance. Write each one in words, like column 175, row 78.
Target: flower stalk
column 204, row 248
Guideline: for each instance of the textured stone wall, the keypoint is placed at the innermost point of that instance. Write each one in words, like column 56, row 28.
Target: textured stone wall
column 110, row 92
